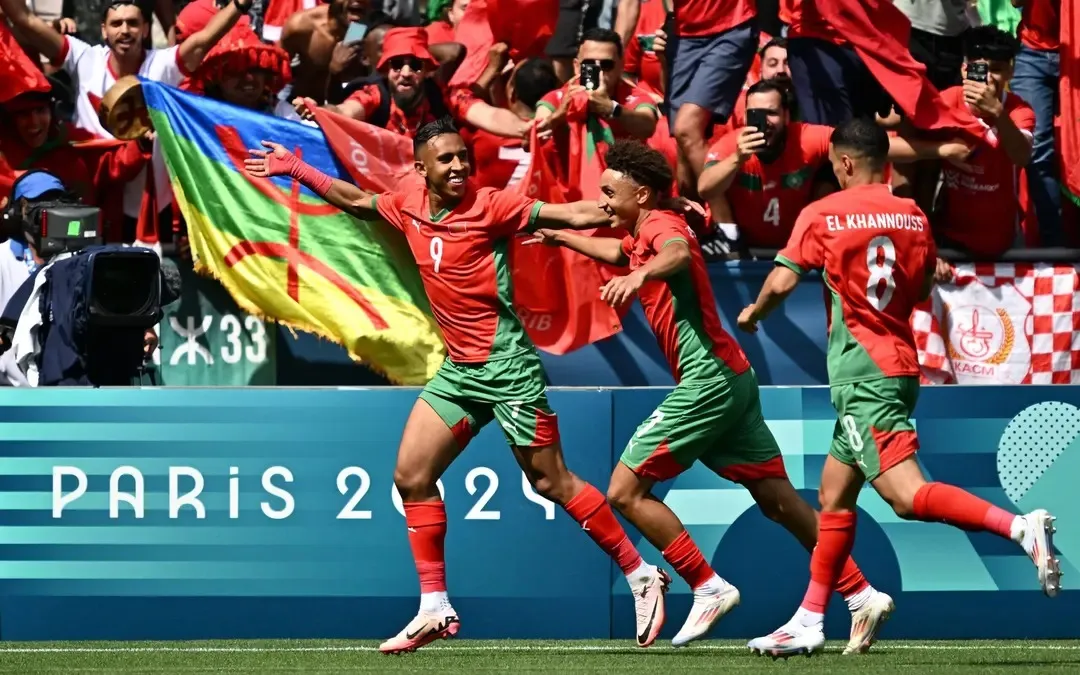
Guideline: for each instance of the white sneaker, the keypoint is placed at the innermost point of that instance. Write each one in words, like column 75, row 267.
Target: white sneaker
column 788, row 640
column 706, row 611
column 649, row 605
column 425, row 628
column 867, row 621
column 1038, row 543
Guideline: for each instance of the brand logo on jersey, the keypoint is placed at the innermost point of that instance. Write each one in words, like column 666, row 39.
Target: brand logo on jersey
column 416, row 224
column 980, row 334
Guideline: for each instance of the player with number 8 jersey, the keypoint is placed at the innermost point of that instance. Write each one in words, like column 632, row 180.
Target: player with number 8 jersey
column 460, row 237
column 877, row 257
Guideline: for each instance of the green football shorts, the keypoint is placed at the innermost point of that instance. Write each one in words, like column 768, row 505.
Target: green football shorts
column 717, row 422
column 873, row 427
column 513, row 391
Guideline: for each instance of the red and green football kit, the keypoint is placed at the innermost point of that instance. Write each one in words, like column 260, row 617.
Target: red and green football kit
column 875, row 252
column 714, row 412
column 767, row 198
column 493, row 370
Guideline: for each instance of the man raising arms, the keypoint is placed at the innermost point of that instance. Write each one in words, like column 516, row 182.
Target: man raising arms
column 460, row 236
column 878, row 259
column 714, row 414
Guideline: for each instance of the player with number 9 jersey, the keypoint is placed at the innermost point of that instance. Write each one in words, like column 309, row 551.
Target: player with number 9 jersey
column 877, row 255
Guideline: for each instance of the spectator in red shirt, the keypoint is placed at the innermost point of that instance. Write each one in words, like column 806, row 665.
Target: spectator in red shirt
column 980, row 208
column 1037, row 71
column 630, row 111
column 501, row 162
column 406, row 95
column 642, row 60
column 765, row 178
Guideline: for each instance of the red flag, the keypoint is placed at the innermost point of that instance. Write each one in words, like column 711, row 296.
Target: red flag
column 1070, row 100
column 377, row 159
column 880, row 33
column 556, row 292
column 278, row 12
column 524, row 25
column 18, row 74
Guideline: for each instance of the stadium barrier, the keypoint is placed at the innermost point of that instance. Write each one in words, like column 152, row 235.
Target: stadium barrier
column 206, row 340
column 270, row 513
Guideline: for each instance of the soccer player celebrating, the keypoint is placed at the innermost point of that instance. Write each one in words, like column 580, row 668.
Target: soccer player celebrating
column 878, row 260
column 714, row 414
column 460, row 236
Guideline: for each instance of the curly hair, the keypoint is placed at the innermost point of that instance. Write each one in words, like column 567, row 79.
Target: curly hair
column 643, row 164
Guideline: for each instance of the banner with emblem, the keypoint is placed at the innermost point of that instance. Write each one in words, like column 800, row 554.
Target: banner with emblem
column 207, row 340
column 1002, row 323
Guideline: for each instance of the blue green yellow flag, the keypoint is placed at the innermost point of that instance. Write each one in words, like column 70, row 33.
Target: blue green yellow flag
column 283, row 253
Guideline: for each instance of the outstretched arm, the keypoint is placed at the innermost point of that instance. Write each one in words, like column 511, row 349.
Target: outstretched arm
column 604, row 249
column 585, row 214
column 778, row 285
column 277, row 161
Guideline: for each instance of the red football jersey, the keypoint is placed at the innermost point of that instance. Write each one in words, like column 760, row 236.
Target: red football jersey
column 1040, row 24
column 641, row 62
column 982, row 206
column 457, row 102
column 463, row 259
column 699, row 18
column 767, row 198
column 680, row 309
column 875, row 251
column 498, row 162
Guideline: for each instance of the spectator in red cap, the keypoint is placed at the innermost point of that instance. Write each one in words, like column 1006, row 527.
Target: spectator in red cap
column 405, row 95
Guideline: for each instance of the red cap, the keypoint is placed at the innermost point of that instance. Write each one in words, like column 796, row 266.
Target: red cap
column 406, row 42
column 18, row 74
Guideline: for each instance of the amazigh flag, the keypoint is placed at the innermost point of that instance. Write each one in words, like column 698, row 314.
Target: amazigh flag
column 880, row 33
column 556, row 292
column 1070, row 101
column 283, row 253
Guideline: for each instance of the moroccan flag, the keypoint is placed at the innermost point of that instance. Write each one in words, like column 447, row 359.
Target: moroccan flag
column 524, row 25
column 1070, row 100
column 880, row 33
column 283, row 253
column 556, row 292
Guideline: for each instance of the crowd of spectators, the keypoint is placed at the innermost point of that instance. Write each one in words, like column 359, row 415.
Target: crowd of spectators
column 739, row 97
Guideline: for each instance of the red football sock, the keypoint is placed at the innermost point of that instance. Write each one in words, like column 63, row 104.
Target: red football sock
column 686, row 559
column 427, row 534
column 591, row 510
column 942, row 503
column 836, row 536
column 851, row 579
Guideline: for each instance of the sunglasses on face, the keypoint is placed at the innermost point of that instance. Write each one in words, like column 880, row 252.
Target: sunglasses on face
column 399, row 62
column 606, row 65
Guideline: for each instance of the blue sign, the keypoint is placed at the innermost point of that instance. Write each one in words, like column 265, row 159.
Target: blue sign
column 186, row 513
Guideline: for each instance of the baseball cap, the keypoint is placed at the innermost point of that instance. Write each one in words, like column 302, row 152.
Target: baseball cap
column 33, row 184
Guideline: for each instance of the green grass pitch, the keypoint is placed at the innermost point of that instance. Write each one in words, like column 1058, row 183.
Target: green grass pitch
column 565, row 656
